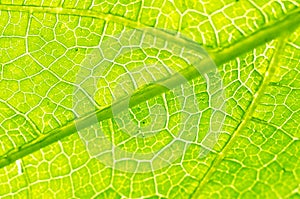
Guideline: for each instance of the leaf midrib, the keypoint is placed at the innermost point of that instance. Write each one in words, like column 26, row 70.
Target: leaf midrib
column 266, row 34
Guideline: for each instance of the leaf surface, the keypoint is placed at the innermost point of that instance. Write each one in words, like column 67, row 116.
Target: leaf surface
column 43, row 46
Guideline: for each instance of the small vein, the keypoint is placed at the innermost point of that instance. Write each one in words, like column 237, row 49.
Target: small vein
column 247, row 116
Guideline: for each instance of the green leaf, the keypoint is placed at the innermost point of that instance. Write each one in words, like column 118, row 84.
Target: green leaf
column 226, row 133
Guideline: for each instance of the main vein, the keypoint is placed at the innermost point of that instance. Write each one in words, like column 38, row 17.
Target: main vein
column 266, row 34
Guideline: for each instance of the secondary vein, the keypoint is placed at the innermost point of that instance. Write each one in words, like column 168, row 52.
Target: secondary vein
column 246, row 117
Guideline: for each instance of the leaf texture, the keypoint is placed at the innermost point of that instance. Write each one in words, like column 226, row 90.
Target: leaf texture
column 44, row 46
